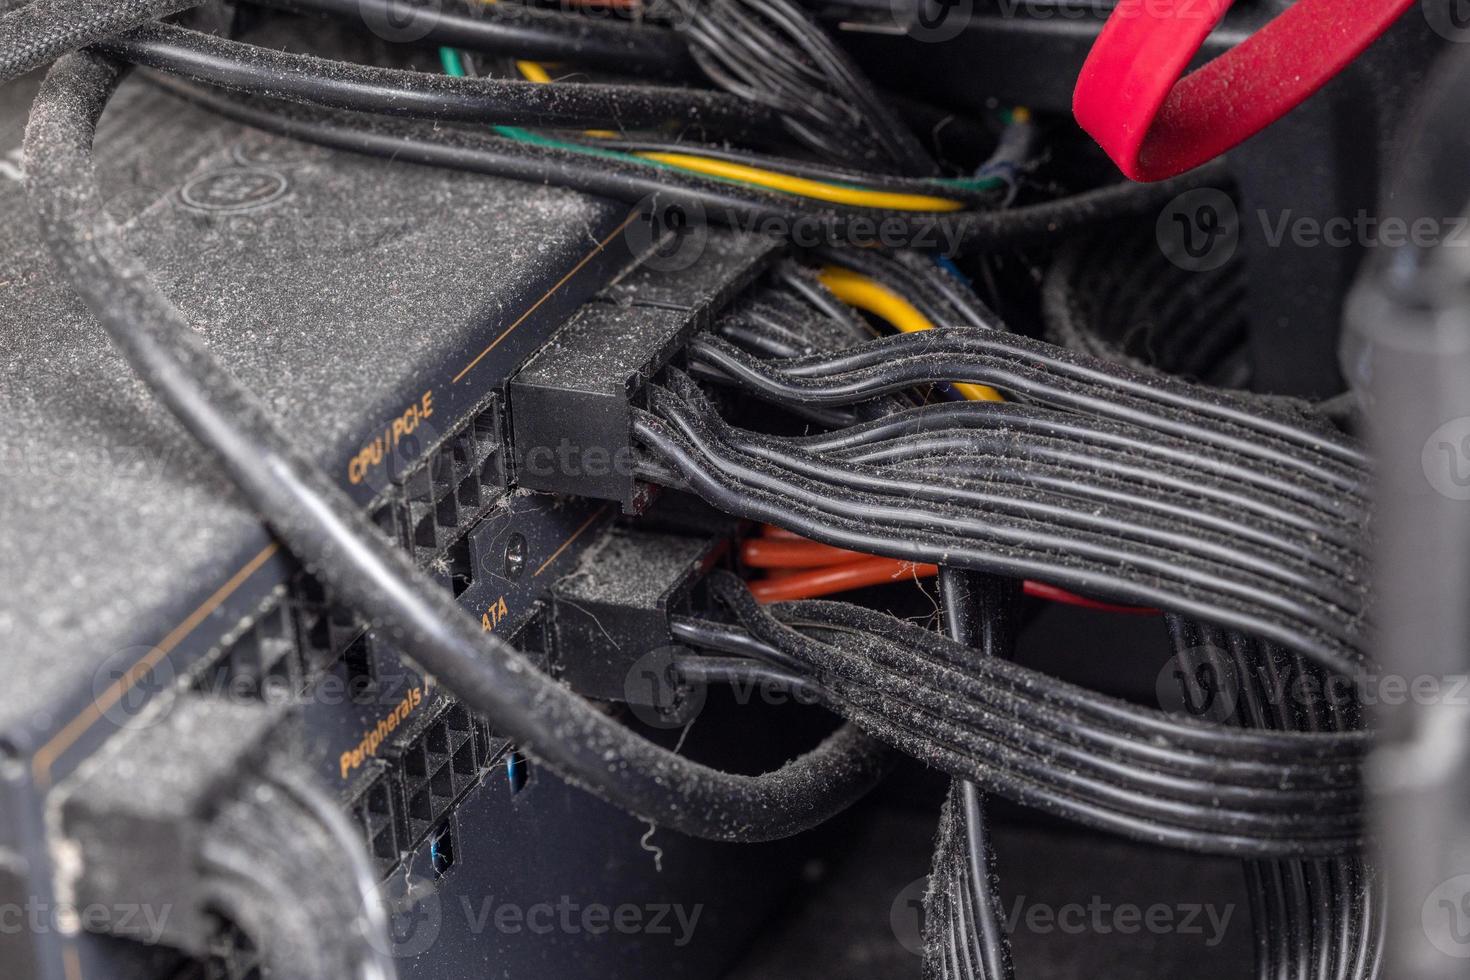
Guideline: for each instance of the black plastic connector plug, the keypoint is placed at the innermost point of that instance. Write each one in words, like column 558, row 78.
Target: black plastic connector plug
column 571, row 405
column 140, row 814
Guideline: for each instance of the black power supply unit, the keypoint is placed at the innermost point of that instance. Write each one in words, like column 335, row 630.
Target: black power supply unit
column 382, row 312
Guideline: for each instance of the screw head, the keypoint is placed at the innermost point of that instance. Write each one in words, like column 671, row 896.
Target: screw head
column 515, row 556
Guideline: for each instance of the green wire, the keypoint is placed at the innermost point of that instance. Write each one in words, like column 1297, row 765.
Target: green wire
column 970, row 183
column 541, row 139
column 453, row 64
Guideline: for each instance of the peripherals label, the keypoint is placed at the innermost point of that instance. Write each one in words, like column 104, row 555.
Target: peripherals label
column 373, row 739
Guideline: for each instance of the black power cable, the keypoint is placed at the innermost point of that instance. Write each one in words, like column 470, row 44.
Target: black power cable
column 994, row 493
column 1266, row 504
column 770, row 53
column 520, row 31
column 741, row 671
column 329, row 925
column 915, row 690
column 307, row 79
column 979, row 613
column 322, row 527
column 1150, row 740
column 1113, row 580
column 716, row 202
column 1101, row 561
column 1313, row 919
column 1064, row 379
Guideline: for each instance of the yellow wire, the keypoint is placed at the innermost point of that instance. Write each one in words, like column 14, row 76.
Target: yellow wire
column 871, row 296
column 531, row 71
column 534, row 71
column 803, row 187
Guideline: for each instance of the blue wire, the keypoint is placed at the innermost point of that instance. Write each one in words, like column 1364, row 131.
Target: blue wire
column 947, row 264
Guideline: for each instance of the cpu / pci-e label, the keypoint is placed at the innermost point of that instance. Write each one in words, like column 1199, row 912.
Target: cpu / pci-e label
column 382, row 448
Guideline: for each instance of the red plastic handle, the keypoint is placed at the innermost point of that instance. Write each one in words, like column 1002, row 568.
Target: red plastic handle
column 1154, row 124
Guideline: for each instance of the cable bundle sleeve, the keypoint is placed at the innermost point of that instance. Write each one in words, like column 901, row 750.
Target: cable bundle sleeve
column 1312, row 918
column 43, row 30
column 1075, row 754
column 1297, row 576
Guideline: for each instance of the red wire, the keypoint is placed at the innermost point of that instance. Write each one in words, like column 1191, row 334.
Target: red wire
column 1154, row 124
column 790, row 582
column 770, row 552
column 837, row 578
column 1040, row 590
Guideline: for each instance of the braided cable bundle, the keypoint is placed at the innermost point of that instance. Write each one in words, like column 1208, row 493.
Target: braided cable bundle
column 1313, row 918
column 1138, row 773
column 771, row 53
column 1248, row 519
column 954, row 915
column 41, row 31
